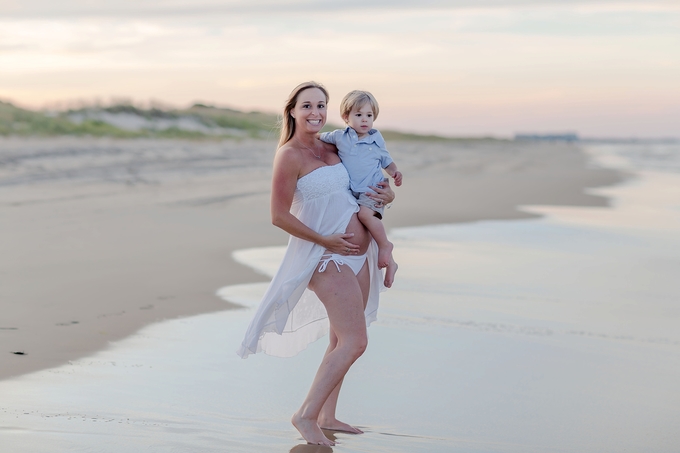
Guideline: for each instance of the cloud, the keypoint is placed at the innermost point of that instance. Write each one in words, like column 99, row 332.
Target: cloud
column 184, row 8
column 515, row 58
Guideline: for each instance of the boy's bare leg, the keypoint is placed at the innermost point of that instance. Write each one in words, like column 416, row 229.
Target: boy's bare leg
column 377, row 230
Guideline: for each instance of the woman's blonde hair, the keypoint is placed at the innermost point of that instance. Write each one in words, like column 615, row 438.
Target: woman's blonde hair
column 355, row 100
column 287, row 121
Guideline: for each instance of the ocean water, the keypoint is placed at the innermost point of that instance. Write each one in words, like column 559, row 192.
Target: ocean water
column 558, row 334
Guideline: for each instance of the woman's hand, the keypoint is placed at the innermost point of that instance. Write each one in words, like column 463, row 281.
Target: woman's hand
column 383, row 193
column 337, row 243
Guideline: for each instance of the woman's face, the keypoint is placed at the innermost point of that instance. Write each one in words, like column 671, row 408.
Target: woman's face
column 310, row 110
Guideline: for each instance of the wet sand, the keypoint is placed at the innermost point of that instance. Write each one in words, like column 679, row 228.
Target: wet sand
column 552, row 334
column 103, row 237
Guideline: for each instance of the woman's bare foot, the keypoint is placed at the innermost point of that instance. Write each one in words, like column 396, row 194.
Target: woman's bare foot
column 390, row 273
column 310, row 431
column 337, row 425
column 385, row 255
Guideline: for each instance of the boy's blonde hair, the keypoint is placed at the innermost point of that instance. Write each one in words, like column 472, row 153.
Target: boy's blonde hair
column 355, row 100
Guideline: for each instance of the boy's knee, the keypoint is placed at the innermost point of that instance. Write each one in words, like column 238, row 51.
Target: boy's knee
column 366, row 214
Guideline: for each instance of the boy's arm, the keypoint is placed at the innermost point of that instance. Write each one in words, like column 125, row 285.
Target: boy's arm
column 386, row 160
column 329, row 137
column 391, row 170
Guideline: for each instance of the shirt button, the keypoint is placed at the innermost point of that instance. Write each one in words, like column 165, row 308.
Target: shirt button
column 370, row 149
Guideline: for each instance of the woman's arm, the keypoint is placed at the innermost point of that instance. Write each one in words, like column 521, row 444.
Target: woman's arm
column 383, row 193
column 287, row 165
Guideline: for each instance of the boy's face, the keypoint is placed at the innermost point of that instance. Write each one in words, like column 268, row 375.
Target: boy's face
column 361, row 119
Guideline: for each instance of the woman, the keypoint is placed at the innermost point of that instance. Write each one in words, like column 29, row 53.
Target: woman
column 330, row 258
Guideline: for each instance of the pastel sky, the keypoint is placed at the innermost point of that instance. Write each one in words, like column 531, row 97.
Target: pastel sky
column 458, row 67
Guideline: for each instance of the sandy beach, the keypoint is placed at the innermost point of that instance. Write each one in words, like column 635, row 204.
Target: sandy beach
column 102, row 237
column 535, row 308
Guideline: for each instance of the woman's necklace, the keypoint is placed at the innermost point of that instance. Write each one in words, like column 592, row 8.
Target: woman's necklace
column 310, row 149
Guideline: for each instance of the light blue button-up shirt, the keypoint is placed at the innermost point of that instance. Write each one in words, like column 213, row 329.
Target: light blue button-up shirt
column 364, row 158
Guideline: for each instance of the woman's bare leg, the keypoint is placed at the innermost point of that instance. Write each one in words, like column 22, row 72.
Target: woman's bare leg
column 341, row 294
column 327, row 418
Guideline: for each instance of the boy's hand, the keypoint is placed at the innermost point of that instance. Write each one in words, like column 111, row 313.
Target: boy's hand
column 397, row 178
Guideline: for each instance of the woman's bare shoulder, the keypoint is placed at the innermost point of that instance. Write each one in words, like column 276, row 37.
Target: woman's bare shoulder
column 288, row 162
column 288, row 154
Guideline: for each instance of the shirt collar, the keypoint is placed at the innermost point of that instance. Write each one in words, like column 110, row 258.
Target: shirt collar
column 372, row 137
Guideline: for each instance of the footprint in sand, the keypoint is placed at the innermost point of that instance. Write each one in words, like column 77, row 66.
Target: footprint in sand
column 106, row 315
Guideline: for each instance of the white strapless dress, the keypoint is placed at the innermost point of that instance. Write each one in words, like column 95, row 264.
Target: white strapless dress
column 290, row 316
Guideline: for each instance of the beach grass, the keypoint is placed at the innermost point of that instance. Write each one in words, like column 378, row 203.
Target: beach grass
column 197, row 122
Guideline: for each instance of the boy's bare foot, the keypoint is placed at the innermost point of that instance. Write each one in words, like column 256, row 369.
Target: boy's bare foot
column 337, row 425
column 390, row 272
column 385, row 255
column 310, row 431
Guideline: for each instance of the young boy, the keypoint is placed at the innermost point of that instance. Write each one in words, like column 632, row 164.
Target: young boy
column 362, row 150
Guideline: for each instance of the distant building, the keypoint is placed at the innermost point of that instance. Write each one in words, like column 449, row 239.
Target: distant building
column 560, row 137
